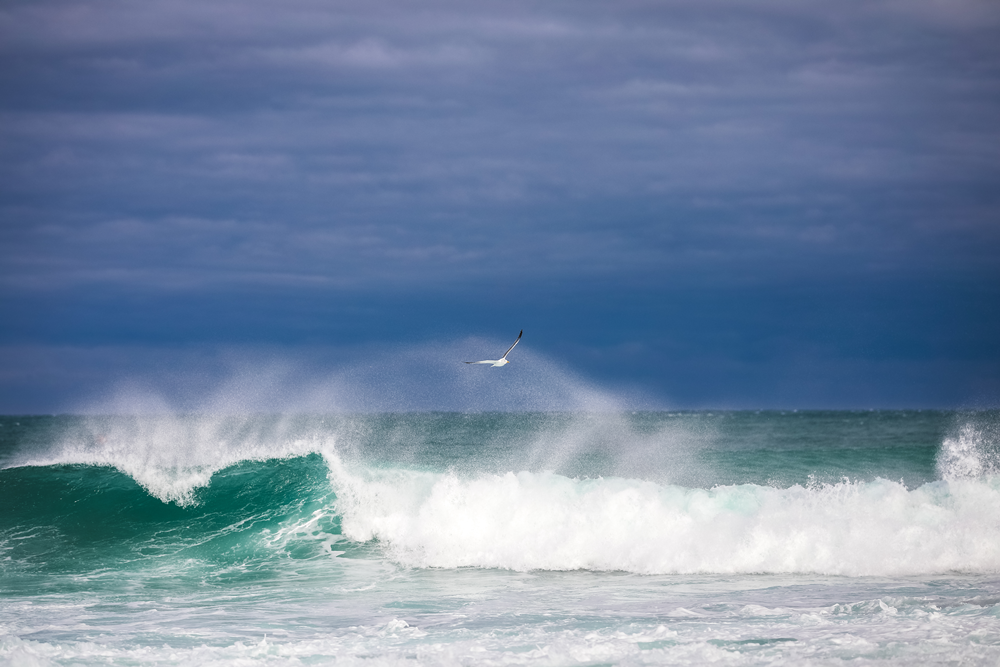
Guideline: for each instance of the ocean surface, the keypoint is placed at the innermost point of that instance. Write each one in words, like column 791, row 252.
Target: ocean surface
column 651, row 538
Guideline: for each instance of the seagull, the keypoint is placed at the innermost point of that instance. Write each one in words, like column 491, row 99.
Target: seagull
column 502, row 361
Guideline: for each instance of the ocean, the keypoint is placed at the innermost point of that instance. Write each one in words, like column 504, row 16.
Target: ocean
column 521, row 538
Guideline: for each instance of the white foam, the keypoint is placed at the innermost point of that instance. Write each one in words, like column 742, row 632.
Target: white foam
column 544, row 521
column 868, row 635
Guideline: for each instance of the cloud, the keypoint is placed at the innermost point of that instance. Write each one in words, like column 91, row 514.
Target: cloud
column 248, row 152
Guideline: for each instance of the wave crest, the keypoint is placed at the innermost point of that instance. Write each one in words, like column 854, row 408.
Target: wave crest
column 173, row 456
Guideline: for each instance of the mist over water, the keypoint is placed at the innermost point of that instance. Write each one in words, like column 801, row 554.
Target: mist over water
column 420, row 377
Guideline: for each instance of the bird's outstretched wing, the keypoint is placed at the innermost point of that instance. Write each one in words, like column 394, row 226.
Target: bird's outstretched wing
column 486, row 361
column 512, row 346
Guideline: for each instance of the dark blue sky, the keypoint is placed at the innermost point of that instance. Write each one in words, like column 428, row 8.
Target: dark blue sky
column 323, row 205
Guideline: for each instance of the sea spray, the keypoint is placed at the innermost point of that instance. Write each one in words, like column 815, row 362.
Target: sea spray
column 973, row 451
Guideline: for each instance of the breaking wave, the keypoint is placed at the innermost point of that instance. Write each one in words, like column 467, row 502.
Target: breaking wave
column 274, row 482
column 544, row 521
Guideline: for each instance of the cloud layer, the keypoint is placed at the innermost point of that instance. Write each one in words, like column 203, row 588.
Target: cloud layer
column 377, row 153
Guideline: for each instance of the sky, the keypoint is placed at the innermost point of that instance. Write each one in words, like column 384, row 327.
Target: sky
column 325, row 205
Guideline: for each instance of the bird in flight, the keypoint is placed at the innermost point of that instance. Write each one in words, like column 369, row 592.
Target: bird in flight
column 502, row 361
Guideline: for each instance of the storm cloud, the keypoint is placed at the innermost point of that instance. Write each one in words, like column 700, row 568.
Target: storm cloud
column 739, row 203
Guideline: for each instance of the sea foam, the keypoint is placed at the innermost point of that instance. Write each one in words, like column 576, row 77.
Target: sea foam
column 544, row 521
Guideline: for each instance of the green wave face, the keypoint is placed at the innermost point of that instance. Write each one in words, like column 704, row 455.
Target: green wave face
column 84, row 518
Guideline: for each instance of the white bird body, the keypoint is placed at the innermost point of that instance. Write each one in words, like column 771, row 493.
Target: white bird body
column 492, row 362
column 502, row 361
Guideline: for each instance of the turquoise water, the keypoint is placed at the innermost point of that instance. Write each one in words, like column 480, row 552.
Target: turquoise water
column 513, row 538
